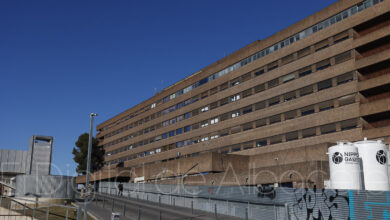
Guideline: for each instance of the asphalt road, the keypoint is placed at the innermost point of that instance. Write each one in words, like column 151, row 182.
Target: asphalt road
column 146, row 210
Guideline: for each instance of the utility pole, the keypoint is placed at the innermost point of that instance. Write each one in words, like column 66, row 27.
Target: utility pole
column 88, row 164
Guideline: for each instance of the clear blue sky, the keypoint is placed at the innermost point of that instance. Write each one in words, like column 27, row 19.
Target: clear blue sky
column 62, row 59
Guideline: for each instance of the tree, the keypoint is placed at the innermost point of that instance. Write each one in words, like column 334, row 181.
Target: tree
column 80, row 153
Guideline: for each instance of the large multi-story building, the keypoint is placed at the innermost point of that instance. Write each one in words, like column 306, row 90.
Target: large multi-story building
column 266, row 113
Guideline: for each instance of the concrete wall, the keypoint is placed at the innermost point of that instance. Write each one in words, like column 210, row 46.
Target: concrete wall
column 13, row 161
column 59, row 187
column 288, row 202
column 39, row 155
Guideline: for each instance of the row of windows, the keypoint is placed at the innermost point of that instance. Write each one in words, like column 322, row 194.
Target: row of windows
column 322, row 25
column 281, row 138
column 303, row 34
column 291, row 136
column 261, row 87
column 261, row 105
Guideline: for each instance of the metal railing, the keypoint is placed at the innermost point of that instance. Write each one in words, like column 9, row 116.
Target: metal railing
column 215, row 205
column 33, row 209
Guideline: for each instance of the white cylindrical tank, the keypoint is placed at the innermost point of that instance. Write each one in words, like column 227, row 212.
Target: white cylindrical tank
column 344, row 166
column 374, row 162
column 388, row 163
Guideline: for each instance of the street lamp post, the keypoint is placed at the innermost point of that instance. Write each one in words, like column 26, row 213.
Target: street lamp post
column 88, row 164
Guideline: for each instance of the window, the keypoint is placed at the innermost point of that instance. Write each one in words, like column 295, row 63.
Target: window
column 235, row 129
column 247, row 145
column 171, row 133
column 259, row 88
column 274, row 101
column 260, row 105
column 187, row 102
column 276, row 139
column 179, row 131
column 224, row 117
column 273, row 83
column 324, row 84
column 223, row 86
column 247, row 110
column 195, row 126
column 204, row 139
column 235, row 82
column 187, row 142
column 349, row 124
column 345, row 78
column 204, row 124
column 259, row 72
column 323, row 64
column 287, row 59
column 214, row 121
column 172, row 108
column 179, row 144
column 225, row 150
column 310, row 132
column 307, row 110
column 213, row 90
column 289, row 96
column 247, row 93
column 303, row 52
column 165, row 123
column 204, row 109
column 340, row 37
column 306, row 90
column 205, row 95
column 235, row 98
column 246, row 77
column 247, row 126
column 215, row 136
column 342, row 57
column 329, row 128
column 261, row 143
column 214, row 105
column 153, row 105
column 292, row 136
column 165, row 111
column 195, row 112
column 224, row 101
column 196, row 140
column 235, row 114
column 224, row 132
column 274, row 119
column 187, row 128
column 164, row 136
column 305, row 71
column 323, row 106
column 236, row 148
column 321, row 45
column 261, row 122
column 187, row 115
column 273, row 66
column 346, row 100
column 172, row 121
column 194, row 99
column 179, row 118
column 288, row 78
